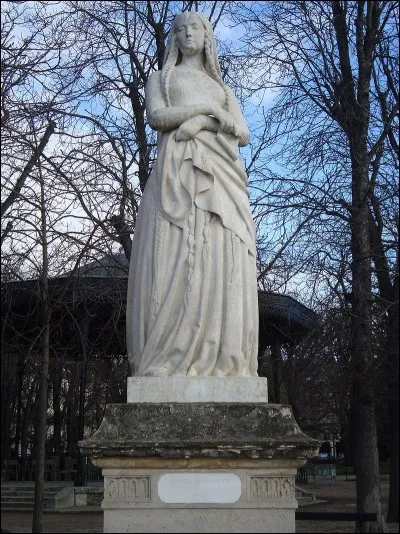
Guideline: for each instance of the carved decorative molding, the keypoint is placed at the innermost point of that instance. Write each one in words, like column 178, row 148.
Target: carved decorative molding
column 127, row 489
column 266, row 488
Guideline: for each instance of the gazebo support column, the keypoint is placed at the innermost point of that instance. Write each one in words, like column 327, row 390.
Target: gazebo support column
column 276, row 356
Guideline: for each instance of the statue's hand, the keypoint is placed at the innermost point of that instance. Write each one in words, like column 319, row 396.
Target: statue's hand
column 227, row 122
column 188, row 129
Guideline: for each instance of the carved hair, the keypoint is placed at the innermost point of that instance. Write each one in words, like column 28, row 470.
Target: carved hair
column 173, row 56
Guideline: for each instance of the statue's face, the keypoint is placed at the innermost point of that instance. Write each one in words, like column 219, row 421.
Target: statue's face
column 189, row 34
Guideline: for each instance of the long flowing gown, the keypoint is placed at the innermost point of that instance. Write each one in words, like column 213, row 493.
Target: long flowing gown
column 192, row 306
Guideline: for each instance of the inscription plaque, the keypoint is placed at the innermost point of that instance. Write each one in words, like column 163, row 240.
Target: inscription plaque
column 199, row 488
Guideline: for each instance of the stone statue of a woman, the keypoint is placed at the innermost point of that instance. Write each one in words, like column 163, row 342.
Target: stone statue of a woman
column 192, row 297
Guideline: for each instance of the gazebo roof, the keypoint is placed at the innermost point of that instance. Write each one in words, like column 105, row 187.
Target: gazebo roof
column 287, row 318
column 110, row 266
column 100, row 287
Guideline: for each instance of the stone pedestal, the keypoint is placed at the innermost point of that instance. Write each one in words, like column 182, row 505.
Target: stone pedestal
column 206, row 389
column 192, row 496
column 199, row 466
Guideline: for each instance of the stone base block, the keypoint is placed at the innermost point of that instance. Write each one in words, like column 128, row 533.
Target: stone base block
column 199, row 467
column 144, row 389
column 199, row 520
column 164, row 499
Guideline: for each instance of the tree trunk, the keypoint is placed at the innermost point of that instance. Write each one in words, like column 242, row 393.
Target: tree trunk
column 72, row 408
column 5, row 407
column 44, row 378
column 393, row 390
column 389, row 295
column 366, row 458
column 30, row 406
column 56, row 379
column 20, row 373
column 354, row 118
column 42, row 417
column 41, row 427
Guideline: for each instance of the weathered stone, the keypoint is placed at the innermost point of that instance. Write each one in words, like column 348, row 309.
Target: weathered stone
column 149, row 452
column 199, row 430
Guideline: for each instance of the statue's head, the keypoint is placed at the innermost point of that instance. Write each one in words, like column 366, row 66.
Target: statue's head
column 202, row 40
column 189, row 34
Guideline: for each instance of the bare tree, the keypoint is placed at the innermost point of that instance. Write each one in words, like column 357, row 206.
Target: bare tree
column 321, row 216
column 108, row 149
column 21, row 63
column 335, row 113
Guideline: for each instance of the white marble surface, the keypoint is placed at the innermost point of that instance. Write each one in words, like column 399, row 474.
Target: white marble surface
column 199, row 389
column 192, row 306
column 180, row 488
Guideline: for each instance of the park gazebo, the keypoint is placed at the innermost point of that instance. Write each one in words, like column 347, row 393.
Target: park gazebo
column 88, row 363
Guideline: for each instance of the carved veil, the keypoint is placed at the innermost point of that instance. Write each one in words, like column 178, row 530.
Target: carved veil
column 172, row 55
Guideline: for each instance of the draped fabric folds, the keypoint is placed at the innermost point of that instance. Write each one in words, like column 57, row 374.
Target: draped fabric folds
column 192, row 305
